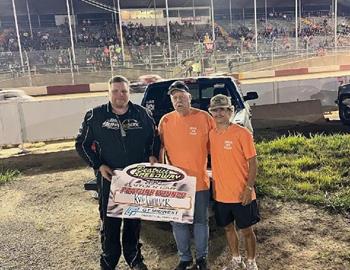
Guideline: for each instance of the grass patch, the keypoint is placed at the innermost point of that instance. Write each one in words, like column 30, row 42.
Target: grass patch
column 8, row 175
column 313, row 170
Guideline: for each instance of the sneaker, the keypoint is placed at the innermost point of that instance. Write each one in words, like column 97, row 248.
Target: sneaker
column 235, row 264
column 140, row 266
column 251, row 265
column 201, row 264
column 184, row 265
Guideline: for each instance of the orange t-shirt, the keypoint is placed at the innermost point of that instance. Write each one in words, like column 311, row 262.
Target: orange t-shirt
column 186, row 142
column 230, row 151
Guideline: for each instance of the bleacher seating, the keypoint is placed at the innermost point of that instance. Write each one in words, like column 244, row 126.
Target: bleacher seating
column 97, row 45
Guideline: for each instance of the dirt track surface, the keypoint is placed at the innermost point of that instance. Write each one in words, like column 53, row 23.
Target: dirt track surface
column 330, row 126
column 47, row 221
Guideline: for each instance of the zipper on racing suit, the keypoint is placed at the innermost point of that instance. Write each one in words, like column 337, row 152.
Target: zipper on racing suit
column 122, row 133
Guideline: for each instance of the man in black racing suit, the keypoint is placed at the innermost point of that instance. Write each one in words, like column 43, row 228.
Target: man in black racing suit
column 123, row 134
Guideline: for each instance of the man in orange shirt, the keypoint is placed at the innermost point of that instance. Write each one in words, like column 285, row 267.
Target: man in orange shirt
column 234, row 165
column 185, row 139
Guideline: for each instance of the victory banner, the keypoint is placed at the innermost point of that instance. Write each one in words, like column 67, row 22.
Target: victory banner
column 156, row 192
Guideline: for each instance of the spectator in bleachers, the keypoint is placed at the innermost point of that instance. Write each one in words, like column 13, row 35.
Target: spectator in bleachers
column 278, row 33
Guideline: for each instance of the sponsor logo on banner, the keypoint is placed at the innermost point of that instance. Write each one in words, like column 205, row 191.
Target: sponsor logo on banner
column 152, row 192
column 155, row 173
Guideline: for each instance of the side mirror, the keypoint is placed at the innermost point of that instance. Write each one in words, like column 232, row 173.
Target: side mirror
column 250, row 96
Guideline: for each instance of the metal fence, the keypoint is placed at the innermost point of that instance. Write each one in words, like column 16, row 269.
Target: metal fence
column 97, row 64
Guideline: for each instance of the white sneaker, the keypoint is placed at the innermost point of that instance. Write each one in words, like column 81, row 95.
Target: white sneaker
column 235, row 264
column 251, row 265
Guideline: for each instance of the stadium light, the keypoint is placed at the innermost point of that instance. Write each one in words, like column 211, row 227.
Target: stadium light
column 17, row 32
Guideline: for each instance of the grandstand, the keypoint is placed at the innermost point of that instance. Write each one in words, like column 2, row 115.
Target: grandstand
column 46, row 42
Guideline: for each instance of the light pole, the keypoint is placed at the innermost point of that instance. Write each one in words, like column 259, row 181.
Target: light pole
column 18, row 35
column 29, row 20
column 213, row 21
column 300, row 11
column 155, row 16
column 121, row 31
column 168, row 27
column 266, row 12
column 256, row 27
column 194, row 18
column 71, row 32
column 335, row 24
column 75, row 22
column 231, row 23
column 296, row 26
column 114, row 17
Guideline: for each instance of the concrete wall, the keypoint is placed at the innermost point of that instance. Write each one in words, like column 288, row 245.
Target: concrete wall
column 286, row 114
column 56, row 119
column 10, row 123
column 327, row 60
column 46, row 120
column 286, row 110
column 296, row 90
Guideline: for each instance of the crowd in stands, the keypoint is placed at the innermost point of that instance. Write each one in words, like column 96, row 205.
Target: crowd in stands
column 139, row 35
column 59, row 38
column 98, row 44
column 49, row 46
column 315, row 32
column 143, row 41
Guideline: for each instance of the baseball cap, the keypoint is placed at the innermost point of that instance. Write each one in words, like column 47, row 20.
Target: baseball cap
column 220, row 101
column 179, row 86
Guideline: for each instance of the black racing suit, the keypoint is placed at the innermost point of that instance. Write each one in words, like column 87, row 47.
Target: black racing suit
column 119, row 141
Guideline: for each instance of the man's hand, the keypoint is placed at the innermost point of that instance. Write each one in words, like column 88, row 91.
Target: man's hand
column 106, row 172
column 152, row 160
column 246, row 196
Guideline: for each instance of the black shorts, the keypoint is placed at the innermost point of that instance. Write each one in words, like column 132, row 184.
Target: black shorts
column 244, row 216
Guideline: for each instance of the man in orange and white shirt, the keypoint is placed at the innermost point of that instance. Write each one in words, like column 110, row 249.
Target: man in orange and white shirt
column 185, row 139
column 234, row 166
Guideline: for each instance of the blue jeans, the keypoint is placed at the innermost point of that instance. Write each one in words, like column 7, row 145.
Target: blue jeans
column 201, row 230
